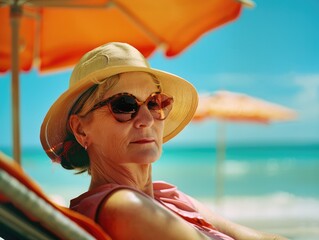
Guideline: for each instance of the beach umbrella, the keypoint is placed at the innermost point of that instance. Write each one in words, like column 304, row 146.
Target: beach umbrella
column 225, row 106
column 54, row 34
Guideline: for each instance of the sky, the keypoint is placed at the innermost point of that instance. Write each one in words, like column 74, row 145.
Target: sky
column 270, row 52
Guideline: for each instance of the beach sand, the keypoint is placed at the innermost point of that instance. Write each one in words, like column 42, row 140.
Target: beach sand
column 294, row 217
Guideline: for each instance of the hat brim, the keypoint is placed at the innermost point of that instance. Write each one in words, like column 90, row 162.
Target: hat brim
column 53, row 129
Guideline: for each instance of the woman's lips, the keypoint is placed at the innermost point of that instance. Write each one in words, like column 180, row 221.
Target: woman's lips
column 143, row 141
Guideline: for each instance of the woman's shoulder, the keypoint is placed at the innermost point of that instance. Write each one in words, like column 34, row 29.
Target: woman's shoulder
column 128, row 214
column 89, row 202
column 117, row 196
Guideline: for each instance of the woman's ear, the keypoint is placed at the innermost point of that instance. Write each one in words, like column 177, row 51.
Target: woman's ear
column 76, row 126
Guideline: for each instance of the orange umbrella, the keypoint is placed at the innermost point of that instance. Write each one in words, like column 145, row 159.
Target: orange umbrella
column 53, row 34
column 230, row 106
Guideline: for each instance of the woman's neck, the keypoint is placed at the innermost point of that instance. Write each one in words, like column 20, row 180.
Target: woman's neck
column 138, row 176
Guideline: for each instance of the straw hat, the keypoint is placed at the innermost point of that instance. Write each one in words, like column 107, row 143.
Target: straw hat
column 103, row 62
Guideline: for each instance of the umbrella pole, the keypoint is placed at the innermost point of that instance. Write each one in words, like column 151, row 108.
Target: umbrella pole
column 15, row 24
column 220, row 160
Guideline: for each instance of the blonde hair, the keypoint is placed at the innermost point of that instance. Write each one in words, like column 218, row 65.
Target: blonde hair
column 93, row 95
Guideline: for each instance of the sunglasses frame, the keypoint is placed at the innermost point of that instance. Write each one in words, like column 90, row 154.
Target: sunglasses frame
column 107, row 102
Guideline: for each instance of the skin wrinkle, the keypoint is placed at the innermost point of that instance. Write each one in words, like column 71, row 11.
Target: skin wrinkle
column 121, row 173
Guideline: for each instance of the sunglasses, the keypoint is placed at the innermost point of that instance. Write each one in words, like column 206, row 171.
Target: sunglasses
column 124, row 106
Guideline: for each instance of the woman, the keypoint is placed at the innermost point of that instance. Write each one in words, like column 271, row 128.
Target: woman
column 112, row 122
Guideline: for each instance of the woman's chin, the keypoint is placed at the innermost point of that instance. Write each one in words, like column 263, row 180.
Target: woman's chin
column 146, row 156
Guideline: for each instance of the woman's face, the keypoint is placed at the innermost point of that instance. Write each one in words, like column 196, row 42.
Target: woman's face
column 136, row 141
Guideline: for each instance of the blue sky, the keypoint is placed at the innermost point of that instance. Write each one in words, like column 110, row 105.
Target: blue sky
column 270, row 52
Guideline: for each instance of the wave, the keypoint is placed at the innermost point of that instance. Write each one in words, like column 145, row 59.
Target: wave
column 283, row 213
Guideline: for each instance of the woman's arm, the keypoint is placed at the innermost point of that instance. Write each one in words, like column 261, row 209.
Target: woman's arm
column 232, row 229
column 126, row 214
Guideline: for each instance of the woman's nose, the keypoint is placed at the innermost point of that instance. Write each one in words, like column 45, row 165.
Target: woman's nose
column 144, row 117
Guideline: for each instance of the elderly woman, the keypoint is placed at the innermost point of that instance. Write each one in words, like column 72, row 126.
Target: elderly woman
column 112, row 122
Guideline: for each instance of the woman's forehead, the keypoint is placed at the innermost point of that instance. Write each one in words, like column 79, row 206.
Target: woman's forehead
column 140, row 84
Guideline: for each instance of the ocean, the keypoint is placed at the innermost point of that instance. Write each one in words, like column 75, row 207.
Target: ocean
column 247, row 171
column 264, row 186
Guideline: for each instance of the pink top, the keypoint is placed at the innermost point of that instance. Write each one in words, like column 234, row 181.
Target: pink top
column 89, row 202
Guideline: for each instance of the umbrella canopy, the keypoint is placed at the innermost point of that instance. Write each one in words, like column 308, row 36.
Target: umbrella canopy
column 54, row 34
column 57, row 32
column 230, row 106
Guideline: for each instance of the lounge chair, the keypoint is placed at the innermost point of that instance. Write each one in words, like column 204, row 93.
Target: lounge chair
column 27, row 213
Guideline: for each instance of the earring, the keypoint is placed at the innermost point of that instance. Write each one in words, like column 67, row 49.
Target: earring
column 85, row 146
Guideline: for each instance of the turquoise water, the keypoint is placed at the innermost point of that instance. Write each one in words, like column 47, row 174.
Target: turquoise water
column 248, row 171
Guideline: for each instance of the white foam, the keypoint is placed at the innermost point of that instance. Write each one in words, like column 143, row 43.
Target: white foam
column 282, row 213
column 279, row 205
column 236, row 168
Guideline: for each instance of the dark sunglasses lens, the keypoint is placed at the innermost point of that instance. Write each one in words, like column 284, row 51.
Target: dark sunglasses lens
column 125, row 107
column 124, row 104
column 160, row 105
